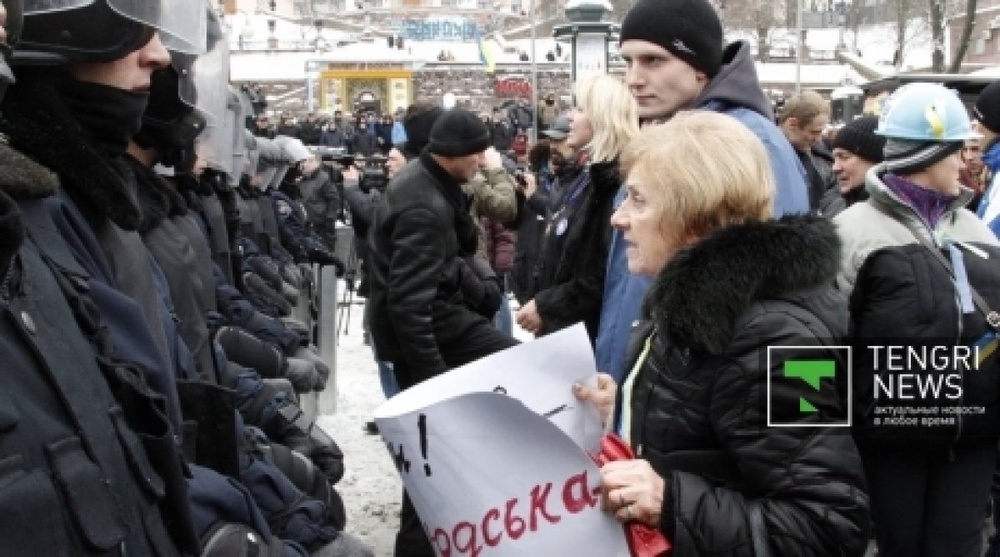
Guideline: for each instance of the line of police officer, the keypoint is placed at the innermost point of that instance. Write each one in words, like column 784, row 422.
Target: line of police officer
column 127, row 426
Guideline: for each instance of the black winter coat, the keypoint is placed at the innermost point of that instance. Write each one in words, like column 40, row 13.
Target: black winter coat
column 364, row 144
column 698, row 405
column 574, row 254
column 167, row 229
column 323, row 203
column 420, row 229
column 72, row 461
column 818, row 163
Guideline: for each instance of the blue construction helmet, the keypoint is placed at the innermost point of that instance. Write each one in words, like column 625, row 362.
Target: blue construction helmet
column 925, row 112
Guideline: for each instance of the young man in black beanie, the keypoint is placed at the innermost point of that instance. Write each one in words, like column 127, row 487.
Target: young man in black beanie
column 426, row 304
column 675, row 60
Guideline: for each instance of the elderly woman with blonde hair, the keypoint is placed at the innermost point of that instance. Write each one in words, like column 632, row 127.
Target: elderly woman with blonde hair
column 574, row 253
column 736, row 298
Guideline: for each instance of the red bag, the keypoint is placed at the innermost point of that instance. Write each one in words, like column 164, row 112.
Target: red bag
column 643, row 540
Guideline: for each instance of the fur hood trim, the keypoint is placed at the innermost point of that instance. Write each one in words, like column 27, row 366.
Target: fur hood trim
column 704, row 288
column 23, row 178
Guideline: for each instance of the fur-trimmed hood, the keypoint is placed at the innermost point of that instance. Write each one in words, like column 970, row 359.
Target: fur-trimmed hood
column 40, row 125
column 703, row 290
column 23, row 178
column 20, row 179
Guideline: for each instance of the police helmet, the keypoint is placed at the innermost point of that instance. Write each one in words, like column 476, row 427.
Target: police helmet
column 63, row 31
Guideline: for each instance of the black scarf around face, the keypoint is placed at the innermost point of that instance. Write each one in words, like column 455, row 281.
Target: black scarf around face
column 108, row 114
column 40, row 123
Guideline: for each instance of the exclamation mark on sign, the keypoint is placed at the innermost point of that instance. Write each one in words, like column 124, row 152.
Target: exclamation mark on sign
column 422, row 427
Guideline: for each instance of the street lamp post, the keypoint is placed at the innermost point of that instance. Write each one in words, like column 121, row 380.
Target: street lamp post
column 588, row 34
column 311, row 75
column 534, row 76
column 801, row 46
column 841, row 23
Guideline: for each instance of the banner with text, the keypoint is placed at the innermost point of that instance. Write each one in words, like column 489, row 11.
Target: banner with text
column 495, row 457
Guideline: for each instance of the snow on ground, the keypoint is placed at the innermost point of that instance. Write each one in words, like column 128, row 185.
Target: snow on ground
column 371, row 488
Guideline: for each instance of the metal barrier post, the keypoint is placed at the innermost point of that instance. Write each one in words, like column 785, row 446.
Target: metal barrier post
column 326, row 334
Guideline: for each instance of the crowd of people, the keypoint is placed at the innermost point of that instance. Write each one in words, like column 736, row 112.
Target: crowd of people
column 692, row 229
column 156, row 233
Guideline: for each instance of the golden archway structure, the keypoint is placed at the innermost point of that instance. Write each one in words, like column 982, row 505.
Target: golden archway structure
column 349, row 87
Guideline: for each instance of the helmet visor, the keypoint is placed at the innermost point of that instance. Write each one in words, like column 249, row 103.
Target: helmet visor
column 215, row 145
column 180, row 23
column 253, row 152
column 204, row 80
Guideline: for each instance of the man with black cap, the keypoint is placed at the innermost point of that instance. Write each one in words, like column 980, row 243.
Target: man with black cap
column 856, row 149
column 675, row 60
column 424, row 297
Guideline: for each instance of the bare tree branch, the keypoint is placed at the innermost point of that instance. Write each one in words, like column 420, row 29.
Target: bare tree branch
column 963, row 41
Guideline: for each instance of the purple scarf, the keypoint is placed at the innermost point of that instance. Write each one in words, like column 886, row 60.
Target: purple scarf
column 929, row 204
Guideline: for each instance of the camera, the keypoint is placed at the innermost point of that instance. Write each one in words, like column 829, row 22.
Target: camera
column 372, row 174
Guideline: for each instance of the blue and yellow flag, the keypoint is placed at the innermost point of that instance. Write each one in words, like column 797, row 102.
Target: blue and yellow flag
column 487, row 54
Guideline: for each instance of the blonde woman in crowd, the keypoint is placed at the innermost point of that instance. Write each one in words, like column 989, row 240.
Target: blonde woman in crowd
column 574, row 253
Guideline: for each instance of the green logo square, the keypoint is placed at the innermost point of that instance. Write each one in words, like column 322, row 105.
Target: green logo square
column 808, row 373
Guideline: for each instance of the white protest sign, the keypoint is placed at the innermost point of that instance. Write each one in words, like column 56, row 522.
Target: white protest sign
column 492, row 454
column 537, row 373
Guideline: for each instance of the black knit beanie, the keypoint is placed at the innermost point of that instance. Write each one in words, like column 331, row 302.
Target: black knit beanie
column 858, row 137
column 458, row 133
column 418, row 130
column 987, row 109
column 688, row 29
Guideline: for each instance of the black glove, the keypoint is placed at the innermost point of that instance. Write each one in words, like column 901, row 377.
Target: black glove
column 258, row 288
column 290, row 293
column 325, row 257
column 292, row 428
column 302, row 374
column 247, row 350
column 322, row 370
column 292, row 275
column 266, row 269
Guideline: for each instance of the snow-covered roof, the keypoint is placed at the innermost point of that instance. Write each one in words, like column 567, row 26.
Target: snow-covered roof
column 992, row 71
column 815, row 75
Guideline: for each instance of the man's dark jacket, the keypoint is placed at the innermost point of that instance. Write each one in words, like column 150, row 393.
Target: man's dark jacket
column 818, row 163
column 420, row 230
